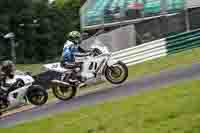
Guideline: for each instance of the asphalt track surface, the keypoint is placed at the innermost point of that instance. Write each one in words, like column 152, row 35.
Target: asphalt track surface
column 166, row 77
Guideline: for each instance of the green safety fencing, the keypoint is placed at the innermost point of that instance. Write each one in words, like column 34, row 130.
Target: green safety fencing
column 183, row 41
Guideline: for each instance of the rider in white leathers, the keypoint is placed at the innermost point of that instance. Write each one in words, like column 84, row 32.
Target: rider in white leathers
column 7, row 71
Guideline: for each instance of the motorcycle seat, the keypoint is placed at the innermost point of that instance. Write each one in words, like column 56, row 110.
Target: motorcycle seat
column 72, row 65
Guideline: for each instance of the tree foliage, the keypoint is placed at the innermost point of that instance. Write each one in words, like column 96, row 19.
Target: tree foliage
column 40, row 28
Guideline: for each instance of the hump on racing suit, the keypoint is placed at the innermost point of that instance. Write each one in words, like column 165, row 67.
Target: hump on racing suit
column 68, row 51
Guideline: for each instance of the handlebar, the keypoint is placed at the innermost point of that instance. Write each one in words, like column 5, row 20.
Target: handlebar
column 98, row 33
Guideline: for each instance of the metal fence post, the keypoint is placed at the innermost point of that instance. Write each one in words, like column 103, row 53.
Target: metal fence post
column 187, row 21
column 164, row 18
column 13, row 52
column 163, row 6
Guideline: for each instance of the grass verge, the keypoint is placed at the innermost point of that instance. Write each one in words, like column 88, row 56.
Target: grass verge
column 169, row 62
column 167, row 110
column 34, row 68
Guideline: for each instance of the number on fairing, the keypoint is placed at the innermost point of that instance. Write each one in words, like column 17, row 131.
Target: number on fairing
column 93, row 66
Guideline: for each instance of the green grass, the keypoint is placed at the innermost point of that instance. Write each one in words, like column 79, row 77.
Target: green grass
column 34, row 68
column 169, row 62
column 173, row 109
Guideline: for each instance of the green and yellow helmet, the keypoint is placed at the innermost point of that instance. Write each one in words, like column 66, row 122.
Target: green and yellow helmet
column 74, row 36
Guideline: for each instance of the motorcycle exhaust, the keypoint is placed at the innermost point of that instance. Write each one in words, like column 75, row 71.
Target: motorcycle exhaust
column 61, row 83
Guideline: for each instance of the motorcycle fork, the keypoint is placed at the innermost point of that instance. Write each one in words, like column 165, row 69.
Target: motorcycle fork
column 63, row 76
column 98, row 69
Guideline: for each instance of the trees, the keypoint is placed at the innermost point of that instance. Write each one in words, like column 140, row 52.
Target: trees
column 40, row 28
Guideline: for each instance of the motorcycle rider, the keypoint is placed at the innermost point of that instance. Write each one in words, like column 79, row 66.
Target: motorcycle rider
column 7, row 70
column 72, row 48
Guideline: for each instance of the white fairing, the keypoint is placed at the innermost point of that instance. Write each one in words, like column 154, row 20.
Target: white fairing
column 95, row 64
column 104, row 49
column 19, row 75
column 21, row 92
column 26, row 78
column 55, row 67
column 98, row 63
column 99, row 45
column 111, row 62
column 92, row 65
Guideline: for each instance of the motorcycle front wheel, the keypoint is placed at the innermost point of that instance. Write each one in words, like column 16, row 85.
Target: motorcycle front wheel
column 36, row 95
column 117, row 73
column 63, row 92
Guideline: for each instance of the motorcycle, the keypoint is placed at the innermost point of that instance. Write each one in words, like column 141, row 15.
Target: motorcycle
column 19, row 91
column 98, row 64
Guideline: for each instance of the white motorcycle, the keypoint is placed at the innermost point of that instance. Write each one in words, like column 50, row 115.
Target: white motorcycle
column 97, row 65
column 19, row 90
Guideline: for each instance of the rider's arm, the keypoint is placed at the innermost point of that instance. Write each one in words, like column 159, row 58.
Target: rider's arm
column 81, row 50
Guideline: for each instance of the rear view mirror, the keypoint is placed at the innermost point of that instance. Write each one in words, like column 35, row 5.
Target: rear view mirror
column 84, row 35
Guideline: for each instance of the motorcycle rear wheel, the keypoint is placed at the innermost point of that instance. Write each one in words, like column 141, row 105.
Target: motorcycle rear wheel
column 64, row 93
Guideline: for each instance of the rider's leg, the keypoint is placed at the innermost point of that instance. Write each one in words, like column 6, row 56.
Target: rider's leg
column 75, row 70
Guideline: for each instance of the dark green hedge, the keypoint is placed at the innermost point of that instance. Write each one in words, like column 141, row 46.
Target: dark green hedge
column 41, row 41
